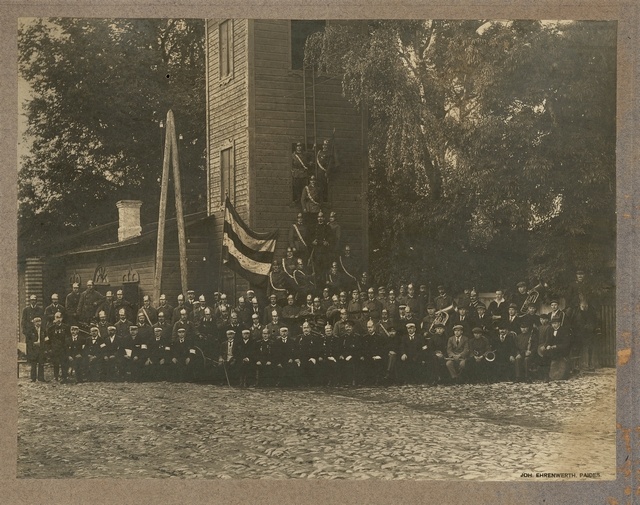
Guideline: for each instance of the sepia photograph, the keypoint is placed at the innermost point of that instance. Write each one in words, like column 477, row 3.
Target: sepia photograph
column 317, row 249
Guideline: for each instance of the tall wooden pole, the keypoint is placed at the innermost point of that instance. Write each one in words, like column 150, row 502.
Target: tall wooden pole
column 162, row 216
column 304, row 100
column 170, row 157
column 182, row 241
column 315, row 131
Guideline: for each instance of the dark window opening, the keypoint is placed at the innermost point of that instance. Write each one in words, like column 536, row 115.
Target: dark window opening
column 300, row 32
column 226, row 49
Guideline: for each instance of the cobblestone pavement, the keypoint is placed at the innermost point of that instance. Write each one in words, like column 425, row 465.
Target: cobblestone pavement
column 474, row 432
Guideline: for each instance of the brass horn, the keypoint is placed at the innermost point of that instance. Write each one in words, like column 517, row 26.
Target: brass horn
column 532, row 296
column 442, row 316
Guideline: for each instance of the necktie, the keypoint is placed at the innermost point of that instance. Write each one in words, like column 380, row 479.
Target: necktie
column 458, row 341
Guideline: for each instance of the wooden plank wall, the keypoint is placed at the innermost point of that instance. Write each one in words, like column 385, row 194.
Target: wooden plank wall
column 278, row 108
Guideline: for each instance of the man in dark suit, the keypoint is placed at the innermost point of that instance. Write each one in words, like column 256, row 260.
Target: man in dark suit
column 136, row 351
column 556, row 348
column 307, row 355
column 58, row 334
column 89, row 301
column 52, row 310
column 92, row 355
column 75, row 345
column 505, row 348
column 410, row 348
column 457, row 353
column 182, row 356
column 228, row 358
column 36, row 349
column 246, row 357
column 29, row 313
column 265, row 362
column 71, row 304
column 285, row 353
column 112, row 355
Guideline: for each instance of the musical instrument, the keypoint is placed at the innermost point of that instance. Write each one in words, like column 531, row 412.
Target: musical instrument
column 490, row 356
column 532, row 296
column 442, row 316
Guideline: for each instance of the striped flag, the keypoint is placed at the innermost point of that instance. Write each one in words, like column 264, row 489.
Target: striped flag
column 245, row 251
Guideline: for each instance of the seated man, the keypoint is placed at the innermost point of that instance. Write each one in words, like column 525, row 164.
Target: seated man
column 265, row 362
column 555, row 351
column 505, row 349
column 92, row 354
column 410, row 348
column 526, row 344
column 457, row 353
column 477, row 364
column 75, row 345
column 112, row 355
column 227, row 359
column 438, row 348
column 246, row 358
column 286, row 357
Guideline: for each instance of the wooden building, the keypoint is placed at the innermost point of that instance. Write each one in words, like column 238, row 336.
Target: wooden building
column 258, row 99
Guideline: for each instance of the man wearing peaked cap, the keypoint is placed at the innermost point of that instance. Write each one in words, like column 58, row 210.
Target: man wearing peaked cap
column 52, row 309
column 31, row 311
column 121, row 303
column 71, row 303
column 410, row 347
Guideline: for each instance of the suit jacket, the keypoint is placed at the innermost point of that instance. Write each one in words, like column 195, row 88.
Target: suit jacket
column 36, row 346
column 246, row 350
column 283, row 352
column 461, row 349
column 75, row 347
column 411, row 347
column 58, row 337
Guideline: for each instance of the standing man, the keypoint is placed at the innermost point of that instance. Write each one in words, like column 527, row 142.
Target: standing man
column 36, row 349
column 163, row 306
column 53, row 309
column 299, row 238
column 336, row 235
column 310, row 201
column 150, row 313
column 300, row 171
column 71, row 304
column 108, row 307
column 58, row 334
column 29, row 313
column 326, row 162
column 320, row 247
column 89, row 302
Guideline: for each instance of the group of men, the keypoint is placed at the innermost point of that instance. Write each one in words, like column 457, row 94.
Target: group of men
column 328, row 337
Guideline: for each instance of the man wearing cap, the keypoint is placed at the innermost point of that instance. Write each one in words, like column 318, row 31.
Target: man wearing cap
column 578, row 291
column 329, row 349
column 484, row 320
column 555, row 350
column 520, row 296
column 183, row 356
column 165, row 325
column 350, row 353
column 267, row 314
column 160, row 355
column 92, row 354
column 526, row 341
column 189, row 301
column 107, row 306
column 327, row 163
column 145, row 330
column 429, row 317
column 410, row 346
column 307, row 355
column 392, row 306
column 504, row 347
column 58, row 333
column 437, row 345
column 227, row 358
column 299, row 238
column 370, row 364
column 285, row 354
column 443, row 300
column 136, row 351
column 413, row 301
column 75, row 346
column 533, row 320
column 390, row 345
column 350, row 267
column 336, row 235
column 498, row 307
column 150, row 313
column 121, row 303
column 461, row 317
column 51, row 310
column 164, row 306
column 477, row 364
column 29, row 313
column 556, row 311
column 301, row 168
column 183, row 322
column 265, row 361
column 310, row 202
column 176, row 311
column 207, row 329
column 71, row 303
column 512, row 319
column 89, row 301
column 374, row 305
column 246, row 357
column 457, row 353
column 278, row 286
column 36, row 348
column 321, row 252
column 112, row 355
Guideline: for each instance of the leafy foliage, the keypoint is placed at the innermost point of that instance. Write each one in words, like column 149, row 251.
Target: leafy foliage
column 492, row 146
column 99, row 89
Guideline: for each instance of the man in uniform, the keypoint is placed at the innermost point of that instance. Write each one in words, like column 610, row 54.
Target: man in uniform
column 374, row 305
column 29, row 313
column 176, row 311
column 183, row 354
column 36, row 348
column 279, row 283
column 183, row 322
column 90, row 299
column 58, row 334
column 443, row 300
column 246, row 356
column 307, row 355
column 326, row 162
column 264, row 359
column 336, row 235
column 108, row 307
column 71, row 304
column 53, row 309
column 121, row 303
column 300, row 171
column 150, row 313
column 310, row 202
column 320, row 247
column 112, row 355
column 410, row 345
column 520, row 296
column 299, row 238
column 74, row 346
column 163, row 306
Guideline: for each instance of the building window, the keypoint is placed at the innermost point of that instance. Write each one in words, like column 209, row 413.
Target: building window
column 227, row 174
column 300, row 32
column 225, row 33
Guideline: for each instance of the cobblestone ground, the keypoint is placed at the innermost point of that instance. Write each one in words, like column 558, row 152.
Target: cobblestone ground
column 493, row 432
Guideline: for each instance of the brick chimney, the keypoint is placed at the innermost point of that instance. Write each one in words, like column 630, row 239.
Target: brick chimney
column 128, row 219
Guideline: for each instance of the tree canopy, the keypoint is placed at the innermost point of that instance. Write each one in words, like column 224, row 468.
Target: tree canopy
column 492, row 146
column 99, row 89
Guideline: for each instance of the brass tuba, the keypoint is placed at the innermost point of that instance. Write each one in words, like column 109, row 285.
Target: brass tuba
column 442, row 316
column 532, row 296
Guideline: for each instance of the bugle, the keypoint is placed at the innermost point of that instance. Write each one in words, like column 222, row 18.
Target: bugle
column 490, row 356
